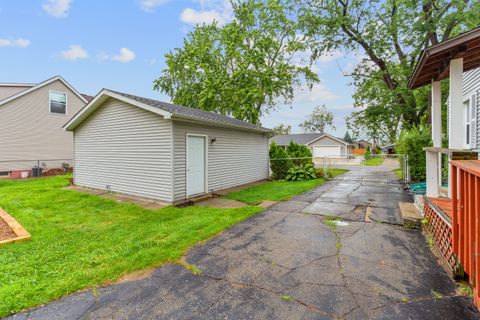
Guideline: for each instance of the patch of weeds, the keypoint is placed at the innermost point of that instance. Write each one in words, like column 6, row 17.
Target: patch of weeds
column 338, row 245
column 95, row 292
column 286, row 297
column 436, row 295
column 430, row 241
column 332, row 224
column 409, row 225
column 424, row 221
column 190, row 267
column 465, row 289
column 404, row 300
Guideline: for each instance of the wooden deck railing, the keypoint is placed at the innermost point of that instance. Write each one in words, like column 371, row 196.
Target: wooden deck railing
column 466, row 219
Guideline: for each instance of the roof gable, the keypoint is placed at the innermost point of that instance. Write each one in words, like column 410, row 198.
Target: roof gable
column 164, row 109
column 40, row 85
column 326, row 135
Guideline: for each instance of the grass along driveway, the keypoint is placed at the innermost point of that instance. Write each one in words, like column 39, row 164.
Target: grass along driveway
column 374, row 161
column 81, row 240
column 279, row 190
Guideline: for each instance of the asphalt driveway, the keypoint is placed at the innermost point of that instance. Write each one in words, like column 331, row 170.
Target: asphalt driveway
column 292, row 262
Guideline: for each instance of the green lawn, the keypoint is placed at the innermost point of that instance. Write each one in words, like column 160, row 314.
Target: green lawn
column 279, row 190
column 398, row 173
column 81, row 240
column 374, row 161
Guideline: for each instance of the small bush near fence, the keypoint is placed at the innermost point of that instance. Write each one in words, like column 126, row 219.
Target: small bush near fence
column 411, row 144
column 302, row 172
column 284, row 165
column 279, row 162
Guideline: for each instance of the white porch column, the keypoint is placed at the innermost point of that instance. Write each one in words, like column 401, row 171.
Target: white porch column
column 436, row 114
column 432, row 174
column 456, row 128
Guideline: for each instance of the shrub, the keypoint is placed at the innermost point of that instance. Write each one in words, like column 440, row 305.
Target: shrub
column 368, row 153
column 279, row 164
column 301, row 172
column 295, row 150
column 411, row 144
column 323, row 173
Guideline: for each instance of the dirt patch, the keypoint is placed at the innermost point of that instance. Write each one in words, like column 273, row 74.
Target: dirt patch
column 5, row 231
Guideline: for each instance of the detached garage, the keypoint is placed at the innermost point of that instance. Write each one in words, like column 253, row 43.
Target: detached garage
column 143, row 147
column 322, row 145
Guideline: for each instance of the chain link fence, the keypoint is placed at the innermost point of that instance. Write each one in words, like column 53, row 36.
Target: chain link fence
column 361, row 164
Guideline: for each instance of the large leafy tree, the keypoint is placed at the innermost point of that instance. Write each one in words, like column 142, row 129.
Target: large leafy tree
column 282, row 129
column 318, row 120
column 243, row 68
column 387, row 36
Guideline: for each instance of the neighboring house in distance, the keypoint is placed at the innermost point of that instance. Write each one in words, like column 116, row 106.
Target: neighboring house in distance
column 158, row 150
column 31, row 120
column 362, row 144
column 321, row 144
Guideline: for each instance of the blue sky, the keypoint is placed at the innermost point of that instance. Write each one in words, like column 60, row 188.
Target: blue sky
column 121, row 45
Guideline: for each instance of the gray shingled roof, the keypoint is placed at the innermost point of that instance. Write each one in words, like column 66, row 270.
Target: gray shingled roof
column 300, row 138
column 194, row 114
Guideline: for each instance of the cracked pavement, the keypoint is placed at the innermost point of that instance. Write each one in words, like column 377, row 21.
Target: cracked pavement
column 288, row 263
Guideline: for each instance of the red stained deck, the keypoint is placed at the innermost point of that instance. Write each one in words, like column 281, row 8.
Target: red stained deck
column 444, row 204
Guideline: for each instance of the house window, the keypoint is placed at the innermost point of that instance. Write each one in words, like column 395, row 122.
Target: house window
column 58, row 102
column 4, row 173
column 468, row 118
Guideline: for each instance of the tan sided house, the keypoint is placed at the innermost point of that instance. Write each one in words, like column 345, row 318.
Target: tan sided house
column 322, row 145
column 143, row 147
column 31, row 120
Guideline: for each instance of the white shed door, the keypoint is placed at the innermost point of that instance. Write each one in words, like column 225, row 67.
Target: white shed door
column 196, row 165
column 326, row 151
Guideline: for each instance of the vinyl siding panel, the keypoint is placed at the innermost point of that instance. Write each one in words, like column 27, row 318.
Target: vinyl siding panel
column 127, row 148
column 8, row 91
column 236, row 157
column 29, row 132
column 471, row 90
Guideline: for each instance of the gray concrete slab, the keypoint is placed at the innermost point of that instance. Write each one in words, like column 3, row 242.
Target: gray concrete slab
column 288, row 263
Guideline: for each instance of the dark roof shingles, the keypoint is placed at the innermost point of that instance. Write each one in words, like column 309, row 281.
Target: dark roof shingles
column 194, row 114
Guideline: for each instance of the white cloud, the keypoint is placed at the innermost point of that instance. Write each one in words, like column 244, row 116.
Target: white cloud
column 318, row 93
column 20, row 43
column 57, row 8
column 210, row 11
column 150, row 5
column 125, row 55
column 75, row 52
column 194, row 17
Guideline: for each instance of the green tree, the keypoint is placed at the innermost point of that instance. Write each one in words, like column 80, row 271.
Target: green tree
column 282, row 129
column 347, row 137
column 318, row 120
column 411, row 144
column 387, row 37
column 243, row 68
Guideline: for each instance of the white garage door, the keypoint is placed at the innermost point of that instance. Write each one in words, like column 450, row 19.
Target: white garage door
column 326, row 151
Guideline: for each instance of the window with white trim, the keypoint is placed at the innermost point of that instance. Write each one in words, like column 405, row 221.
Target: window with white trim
column 58, row 102
column 468, row 118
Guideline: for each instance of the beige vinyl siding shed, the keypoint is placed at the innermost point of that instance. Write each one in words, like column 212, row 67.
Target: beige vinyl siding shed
column 138, row 146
